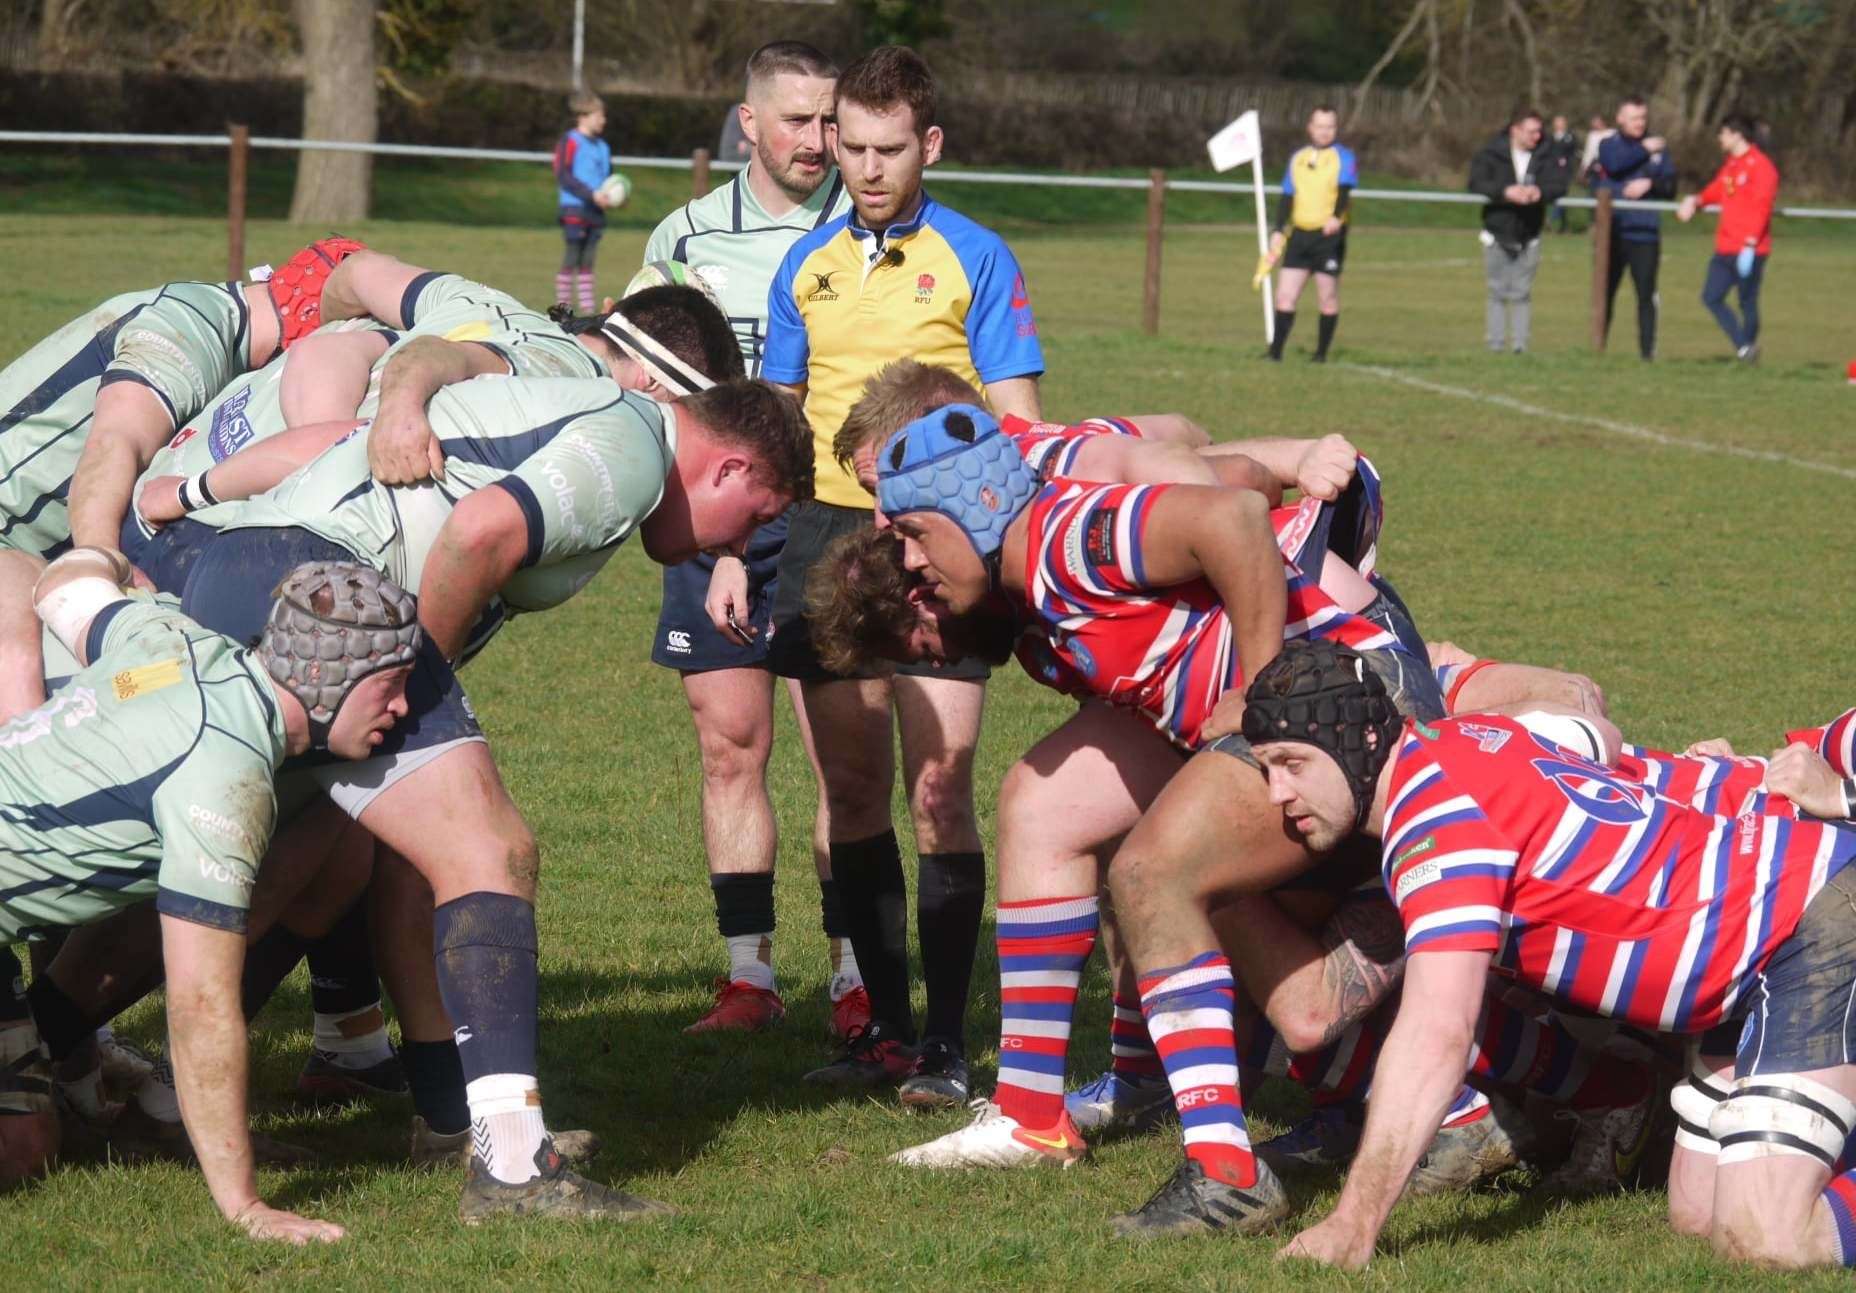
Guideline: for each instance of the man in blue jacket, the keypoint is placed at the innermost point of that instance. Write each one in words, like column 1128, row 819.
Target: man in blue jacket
column 1633, row 165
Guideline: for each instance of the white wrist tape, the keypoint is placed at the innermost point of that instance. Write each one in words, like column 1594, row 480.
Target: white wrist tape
column 68, row 609
column 194, row 493
column 1782, row 1113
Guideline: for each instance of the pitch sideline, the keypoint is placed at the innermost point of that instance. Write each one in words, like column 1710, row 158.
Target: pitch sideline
column 1629, row 429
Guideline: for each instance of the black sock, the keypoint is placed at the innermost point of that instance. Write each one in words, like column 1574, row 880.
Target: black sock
column 1285, row 320
column 13, row 1008
column 743, row 904
column 831, row 910
column 869, row 879
column 436, row 1076
column 268, row 962
column 1324, row 337
column 63, row 1027
column 342, row 979
column 487, row 975
column 950, row 897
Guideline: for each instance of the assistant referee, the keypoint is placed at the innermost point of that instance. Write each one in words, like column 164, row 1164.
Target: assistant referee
column 1311, row 229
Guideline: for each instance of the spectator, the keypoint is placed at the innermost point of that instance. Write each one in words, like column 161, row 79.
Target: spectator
column 1595, row 135
column 582, row 161
column 1520, row 179
column 734, row 145
column 1746, row 188
column 1634, row 165
column 1564, row 143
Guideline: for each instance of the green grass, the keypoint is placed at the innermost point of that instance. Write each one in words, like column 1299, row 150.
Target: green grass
column 1708, row 593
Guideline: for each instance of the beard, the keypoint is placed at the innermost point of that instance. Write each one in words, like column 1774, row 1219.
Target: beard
column 793, row 179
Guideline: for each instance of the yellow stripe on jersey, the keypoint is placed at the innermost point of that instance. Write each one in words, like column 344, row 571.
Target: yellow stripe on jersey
column 1314, row 177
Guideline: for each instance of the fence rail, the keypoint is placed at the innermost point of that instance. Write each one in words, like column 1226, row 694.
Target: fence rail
column 238, row 143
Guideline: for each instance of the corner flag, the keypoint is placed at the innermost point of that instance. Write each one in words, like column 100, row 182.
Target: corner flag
column 1237, row 143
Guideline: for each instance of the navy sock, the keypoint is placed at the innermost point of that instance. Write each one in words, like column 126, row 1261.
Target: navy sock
column 436, row 1076
column 743, row 904
column 868, row 874
column 950, row 897
column 12, row 989
column 268, row 962
column 488, row 977
column 342, row 979
column 63, row 1027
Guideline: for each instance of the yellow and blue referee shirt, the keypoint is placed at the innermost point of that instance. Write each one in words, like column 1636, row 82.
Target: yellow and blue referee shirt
column 936, row 288
column 1314, row 178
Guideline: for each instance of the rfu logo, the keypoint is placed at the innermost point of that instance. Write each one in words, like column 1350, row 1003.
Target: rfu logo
column 823, row 291
column 677, row 640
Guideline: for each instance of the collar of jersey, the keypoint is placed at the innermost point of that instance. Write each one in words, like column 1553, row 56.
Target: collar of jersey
column 900, row 229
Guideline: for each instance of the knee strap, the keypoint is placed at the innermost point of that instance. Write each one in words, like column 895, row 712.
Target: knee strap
column 1782, row 1113
column 1694, row 1100
column 485, row 920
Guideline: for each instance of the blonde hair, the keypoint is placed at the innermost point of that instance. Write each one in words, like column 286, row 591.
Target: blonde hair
column 901, row 391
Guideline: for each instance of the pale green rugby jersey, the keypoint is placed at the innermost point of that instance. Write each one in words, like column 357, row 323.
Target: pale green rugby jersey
column 735, row 247
column 444, row 305
column 585, row 460
column 183, row 341
column 149, row 774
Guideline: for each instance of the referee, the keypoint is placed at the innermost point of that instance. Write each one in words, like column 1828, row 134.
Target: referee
column 1311, row 229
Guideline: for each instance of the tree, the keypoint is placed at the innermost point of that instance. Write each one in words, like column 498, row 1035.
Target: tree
column 340, row 101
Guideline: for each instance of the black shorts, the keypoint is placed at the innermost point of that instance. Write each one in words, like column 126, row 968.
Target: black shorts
column 811, row 527
column 687, row 641
column 1316, row 252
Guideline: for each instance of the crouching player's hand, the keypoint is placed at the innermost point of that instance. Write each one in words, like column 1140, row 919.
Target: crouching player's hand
column 261, row 1221
column 1800, row 774
column 1332, row 1242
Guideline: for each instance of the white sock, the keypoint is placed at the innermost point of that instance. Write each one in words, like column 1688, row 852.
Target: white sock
column 156, row 1096
column 844, row 973
column 506, row 1126
column 364, row 1049
column 745, row 959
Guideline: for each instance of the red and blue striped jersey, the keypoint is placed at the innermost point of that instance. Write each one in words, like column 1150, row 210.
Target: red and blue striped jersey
column 1735, row 784
column 1836, row 741
column 1586, row 884
column 1050, row 448
column 1099, row 628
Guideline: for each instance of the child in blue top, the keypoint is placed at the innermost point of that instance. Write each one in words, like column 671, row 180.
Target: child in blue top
column 582, row 161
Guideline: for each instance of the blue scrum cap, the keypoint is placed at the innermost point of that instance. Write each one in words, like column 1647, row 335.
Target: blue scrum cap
column 957, row 462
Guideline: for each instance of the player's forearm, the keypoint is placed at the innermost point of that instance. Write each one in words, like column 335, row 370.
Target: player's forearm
column 1278, row 455
column 265, row 464
column 207, row 1039
column 462, row 574
column 128, row 429
column 1237, row 470
column 426, row 365
column 1018, row 396
column 1312, row 989
column 1236, row 548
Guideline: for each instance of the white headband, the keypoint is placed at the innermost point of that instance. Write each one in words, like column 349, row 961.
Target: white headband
column 653, row 356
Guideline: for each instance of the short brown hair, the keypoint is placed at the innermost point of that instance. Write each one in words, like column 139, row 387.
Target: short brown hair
column 688, row 324
column 787, row 58
column 581, row 102
column 901, row 391
column 857, row 602
column 763, row 422
column 888, row 76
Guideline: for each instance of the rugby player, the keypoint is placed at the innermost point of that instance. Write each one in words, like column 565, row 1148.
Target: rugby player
column 715, row 624
column 98, row 397
column 153, row 771
column 900, row 275
column 1311, row 229
column 1514, row 844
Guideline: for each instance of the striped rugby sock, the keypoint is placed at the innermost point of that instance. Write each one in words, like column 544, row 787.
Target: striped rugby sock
column 583, row 288
column 1189, row 1014
column 1343, row 1072
column 564, row 286
column 1134, row 1058
column 1840, row 1197
column 1043, row 946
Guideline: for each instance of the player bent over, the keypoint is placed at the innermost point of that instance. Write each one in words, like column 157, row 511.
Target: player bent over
column 1513, row 844
column 153, row 771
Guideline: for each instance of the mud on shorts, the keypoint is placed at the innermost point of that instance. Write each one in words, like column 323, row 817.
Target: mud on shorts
column 687, row 641
column 811, row 526
column 1801, row 1013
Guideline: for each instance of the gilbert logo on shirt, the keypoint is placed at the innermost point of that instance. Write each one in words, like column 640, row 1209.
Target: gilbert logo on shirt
column 823, row 292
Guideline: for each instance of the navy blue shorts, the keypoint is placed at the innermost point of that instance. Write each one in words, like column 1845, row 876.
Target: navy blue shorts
column 229, row 591
column 687, row 641
column 168, row 557
column 1802, row 1015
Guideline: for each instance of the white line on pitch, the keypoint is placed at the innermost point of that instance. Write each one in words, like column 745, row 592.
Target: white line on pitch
column 1630, row 429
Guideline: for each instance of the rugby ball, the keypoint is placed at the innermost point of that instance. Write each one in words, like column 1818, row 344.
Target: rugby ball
column 669, row 273
column 616, row 189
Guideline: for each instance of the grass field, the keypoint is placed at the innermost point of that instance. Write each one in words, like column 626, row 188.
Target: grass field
column 1679, row 531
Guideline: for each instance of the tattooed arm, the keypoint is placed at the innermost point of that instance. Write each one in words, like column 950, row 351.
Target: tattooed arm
column 1311, row 986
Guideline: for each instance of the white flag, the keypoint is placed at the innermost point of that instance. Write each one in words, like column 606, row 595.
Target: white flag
column 1237, row 143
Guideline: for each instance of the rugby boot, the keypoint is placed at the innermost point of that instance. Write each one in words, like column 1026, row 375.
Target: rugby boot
column 557, row 1192
column 124, row 1065
column 436, row 1149
column 1192, row 1203
column 870, row 1059
column 1608, row 1147
column 939, row 1078
column 740, row 1008
column 1466, row 1155
column 994, row 1140
column 324, row 1080
column 1113, row 1103
column 1328, row 1137
column 850, row 1014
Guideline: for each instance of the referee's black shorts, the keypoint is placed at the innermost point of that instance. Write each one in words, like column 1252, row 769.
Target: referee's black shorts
column 1316, row 252
column 810, row 528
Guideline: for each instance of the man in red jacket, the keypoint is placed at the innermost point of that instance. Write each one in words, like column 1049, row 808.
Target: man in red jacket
column 1746, row 189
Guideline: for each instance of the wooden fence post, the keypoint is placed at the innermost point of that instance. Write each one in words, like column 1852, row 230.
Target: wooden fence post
column 1156, row 220
column 699, row 173
column 1601, row 266
column 238, row 158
